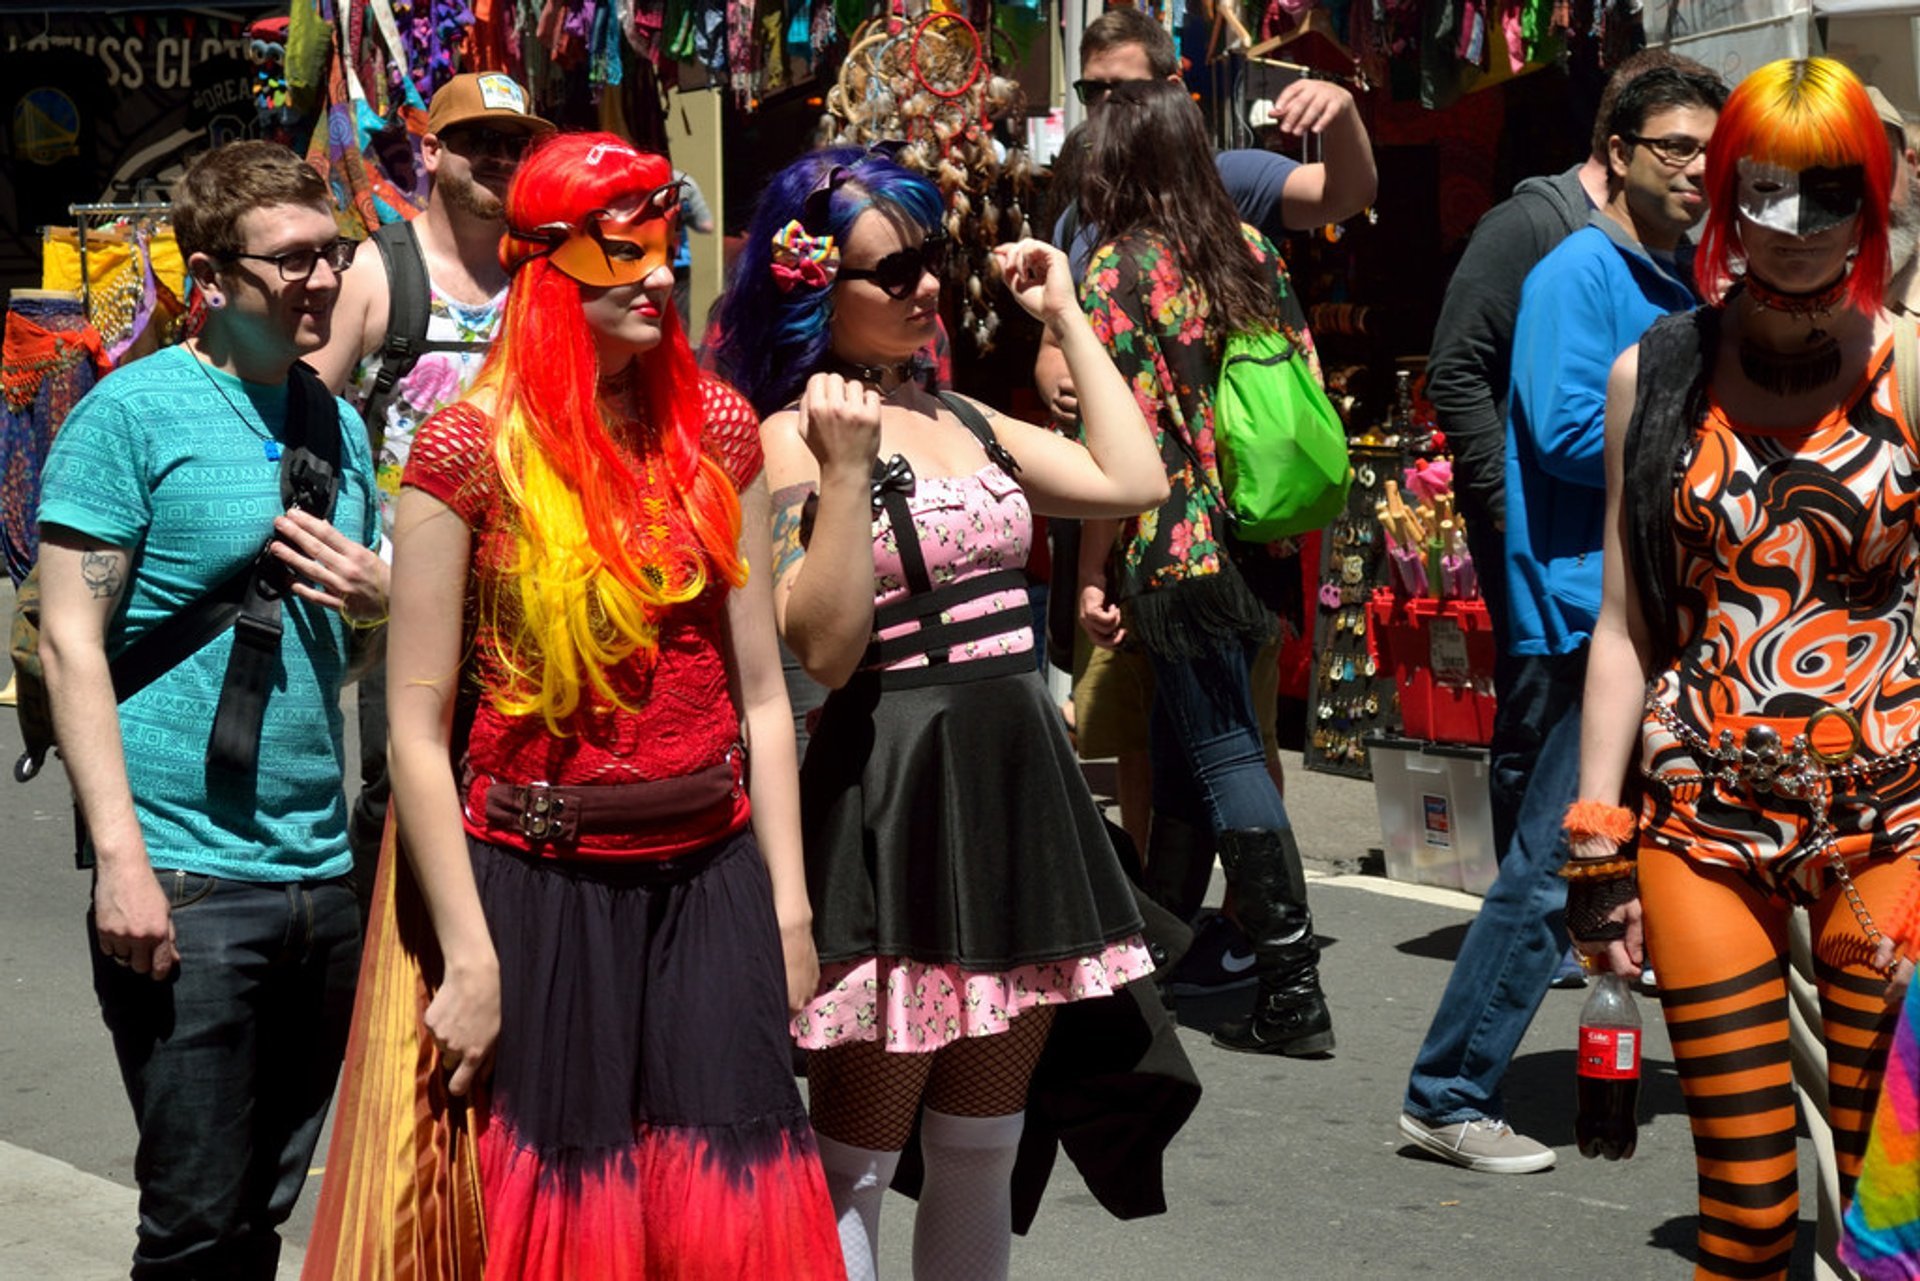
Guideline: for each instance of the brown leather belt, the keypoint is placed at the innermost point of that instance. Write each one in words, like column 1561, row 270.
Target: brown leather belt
column 544, row 813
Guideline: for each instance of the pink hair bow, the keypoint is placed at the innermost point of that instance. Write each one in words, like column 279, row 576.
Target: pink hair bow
column 801, row 259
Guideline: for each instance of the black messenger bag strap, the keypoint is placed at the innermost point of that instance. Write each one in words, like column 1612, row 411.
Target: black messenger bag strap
column 309, row 480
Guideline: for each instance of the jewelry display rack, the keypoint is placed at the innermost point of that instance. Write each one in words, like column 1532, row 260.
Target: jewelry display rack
column 1349, row 696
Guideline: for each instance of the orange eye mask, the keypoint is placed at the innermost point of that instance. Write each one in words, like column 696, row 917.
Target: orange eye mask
column 606, row 249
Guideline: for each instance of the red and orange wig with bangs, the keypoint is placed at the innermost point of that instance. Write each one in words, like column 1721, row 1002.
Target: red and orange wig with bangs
column 1797, row 113
column 582, row 599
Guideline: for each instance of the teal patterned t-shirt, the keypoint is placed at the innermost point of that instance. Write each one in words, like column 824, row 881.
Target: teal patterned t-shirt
column 170, row 459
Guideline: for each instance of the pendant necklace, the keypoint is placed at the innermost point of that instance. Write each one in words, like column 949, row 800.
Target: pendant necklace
column 1817, row 363
column 269, row 446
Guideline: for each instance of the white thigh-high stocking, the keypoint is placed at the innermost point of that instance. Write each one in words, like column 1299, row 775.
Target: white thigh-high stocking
column 964, row 1229
column 857, row 1180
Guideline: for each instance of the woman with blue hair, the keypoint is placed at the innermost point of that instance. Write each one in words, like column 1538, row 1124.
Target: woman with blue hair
column 962, row 880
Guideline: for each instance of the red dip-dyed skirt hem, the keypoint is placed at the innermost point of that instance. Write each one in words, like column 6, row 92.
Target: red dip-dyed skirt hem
column 680, row 1203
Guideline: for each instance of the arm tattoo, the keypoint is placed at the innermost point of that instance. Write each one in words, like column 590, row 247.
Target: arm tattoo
column 790, row 528
column 103, row 572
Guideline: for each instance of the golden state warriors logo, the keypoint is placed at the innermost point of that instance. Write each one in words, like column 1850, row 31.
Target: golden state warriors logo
column 46, row 127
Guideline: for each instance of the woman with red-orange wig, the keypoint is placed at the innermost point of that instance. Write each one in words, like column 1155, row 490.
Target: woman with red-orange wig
column 609, row 866
column 1751, row 734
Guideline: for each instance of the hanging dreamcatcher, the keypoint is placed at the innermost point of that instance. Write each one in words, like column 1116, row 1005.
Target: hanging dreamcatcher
column 934, row 82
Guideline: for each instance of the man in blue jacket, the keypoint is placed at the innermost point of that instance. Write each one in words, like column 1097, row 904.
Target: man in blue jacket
column 1586, row 302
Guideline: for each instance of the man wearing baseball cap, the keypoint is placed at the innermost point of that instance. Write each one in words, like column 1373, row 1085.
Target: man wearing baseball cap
column 410, row 339
column 1903, row 228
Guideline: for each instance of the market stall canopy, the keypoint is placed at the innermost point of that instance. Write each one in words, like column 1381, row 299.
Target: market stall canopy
column 1863, row 8
column 1878, row 39
column 1732, row 36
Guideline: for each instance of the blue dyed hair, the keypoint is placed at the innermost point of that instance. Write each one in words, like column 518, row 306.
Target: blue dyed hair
column 770, row 342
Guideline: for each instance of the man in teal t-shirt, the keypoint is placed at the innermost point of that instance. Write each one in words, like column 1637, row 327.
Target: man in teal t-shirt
column 226, row 936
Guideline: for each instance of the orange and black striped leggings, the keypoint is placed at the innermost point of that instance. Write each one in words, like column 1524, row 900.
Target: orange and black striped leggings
column 1718, row 940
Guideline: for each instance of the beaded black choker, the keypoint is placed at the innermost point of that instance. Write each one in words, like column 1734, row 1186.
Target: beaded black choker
column 1794, row 373
column 1813, row 302
column 885, row 379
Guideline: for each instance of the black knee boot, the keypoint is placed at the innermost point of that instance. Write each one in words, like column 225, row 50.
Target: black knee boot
column 1270, row 891
column 1179, row 865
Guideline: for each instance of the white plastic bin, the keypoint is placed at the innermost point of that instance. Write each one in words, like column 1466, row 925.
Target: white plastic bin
column 1436, row 822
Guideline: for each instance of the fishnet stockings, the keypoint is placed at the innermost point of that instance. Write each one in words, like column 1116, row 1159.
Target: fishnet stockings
column 861, row 1095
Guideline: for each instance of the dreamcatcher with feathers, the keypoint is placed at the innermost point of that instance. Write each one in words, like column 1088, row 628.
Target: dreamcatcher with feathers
column 935, row 83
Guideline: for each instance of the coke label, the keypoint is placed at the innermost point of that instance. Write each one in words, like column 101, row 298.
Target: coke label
column 1609, row 1053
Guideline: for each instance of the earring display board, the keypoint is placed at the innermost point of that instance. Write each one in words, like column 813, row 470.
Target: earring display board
column 1350, row 695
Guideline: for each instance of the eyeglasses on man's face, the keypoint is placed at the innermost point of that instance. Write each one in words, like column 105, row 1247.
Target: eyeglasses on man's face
column 1676, row 151
column 296, row 265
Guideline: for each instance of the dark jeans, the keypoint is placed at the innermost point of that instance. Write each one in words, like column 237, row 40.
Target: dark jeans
column 230, row 1065
column 1515, row 943
column 1209, row 766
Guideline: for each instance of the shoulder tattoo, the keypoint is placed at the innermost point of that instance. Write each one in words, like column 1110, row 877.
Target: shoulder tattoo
column 104, row 572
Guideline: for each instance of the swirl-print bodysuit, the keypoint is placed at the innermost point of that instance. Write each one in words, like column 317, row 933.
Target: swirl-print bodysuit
column 1798, row 570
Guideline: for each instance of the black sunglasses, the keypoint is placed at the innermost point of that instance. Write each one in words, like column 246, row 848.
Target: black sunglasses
column 296, row 265
column 1092, row 91
column 898, row 274
column 479, row 143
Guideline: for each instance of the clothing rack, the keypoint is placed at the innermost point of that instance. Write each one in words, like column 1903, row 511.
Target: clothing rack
column 83, row 216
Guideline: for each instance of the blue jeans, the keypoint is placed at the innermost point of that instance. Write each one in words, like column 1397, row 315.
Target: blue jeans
column 1209, row 766
column 230, row 1065
column 1515, row 943
column 1531, row 692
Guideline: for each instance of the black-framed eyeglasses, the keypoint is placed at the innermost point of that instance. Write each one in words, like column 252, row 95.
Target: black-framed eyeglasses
column 296, row 265
column 898, row 274
column 480, row 143
column 1092, row 91
column 1676, row 150
column 813, row 210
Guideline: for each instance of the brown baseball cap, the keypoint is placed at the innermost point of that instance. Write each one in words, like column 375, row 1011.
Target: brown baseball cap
column 1884, row 108
column 492, row 98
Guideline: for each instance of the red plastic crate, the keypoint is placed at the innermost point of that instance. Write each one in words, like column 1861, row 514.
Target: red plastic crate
column 1441, row 655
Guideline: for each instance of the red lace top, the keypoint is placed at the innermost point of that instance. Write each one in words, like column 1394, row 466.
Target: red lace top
column 684, row 718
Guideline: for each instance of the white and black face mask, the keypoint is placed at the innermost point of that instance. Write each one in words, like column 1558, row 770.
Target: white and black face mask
column 1799, row 202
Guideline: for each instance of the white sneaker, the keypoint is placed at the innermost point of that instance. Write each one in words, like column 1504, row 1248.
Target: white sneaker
column 1488, row 1145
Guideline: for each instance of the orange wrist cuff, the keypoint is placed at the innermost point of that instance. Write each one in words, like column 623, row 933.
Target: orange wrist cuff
column 1588, row 819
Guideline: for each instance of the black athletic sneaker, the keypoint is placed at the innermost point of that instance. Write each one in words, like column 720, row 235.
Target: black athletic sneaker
column 1220, row 960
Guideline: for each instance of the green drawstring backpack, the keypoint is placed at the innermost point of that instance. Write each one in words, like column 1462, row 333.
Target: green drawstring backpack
column 1281, row 445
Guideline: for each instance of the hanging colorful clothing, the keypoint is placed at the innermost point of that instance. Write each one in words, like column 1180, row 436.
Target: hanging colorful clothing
column 52, row 358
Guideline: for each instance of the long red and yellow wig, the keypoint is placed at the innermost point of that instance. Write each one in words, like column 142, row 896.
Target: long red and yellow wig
column 1797, row 113
column 580, row 600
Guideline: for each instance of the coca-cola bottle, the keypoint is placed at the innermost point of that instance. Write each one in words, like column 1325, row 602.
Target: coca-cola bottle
column 1607, row 1123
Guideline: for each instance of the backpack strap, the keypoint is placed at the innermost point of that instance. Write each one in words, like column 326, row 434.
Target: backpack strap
column 309, row 480
column 409, row 310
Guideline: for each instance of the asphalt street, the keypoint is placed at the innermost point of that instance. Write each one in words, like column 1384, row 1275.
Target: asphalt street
column 1290, row 1168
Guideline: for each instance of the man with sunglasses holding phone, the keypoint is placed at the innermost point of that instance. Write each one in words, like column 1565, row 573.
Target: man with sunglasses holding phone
column 1273, row 192
column 225, row 940
column 478, row 128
